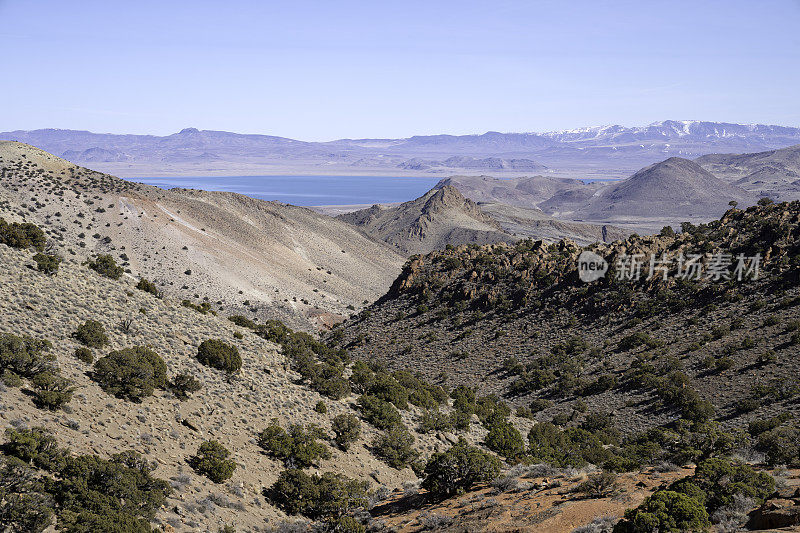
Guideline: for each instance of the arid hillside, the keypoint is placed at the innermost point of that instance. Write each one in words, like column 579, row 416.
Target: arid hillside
column 236, row 253
column 775, row 173
column 440, row 217
column 548, row 193
column 514, row 319
column 668, row 192
column 230, row 408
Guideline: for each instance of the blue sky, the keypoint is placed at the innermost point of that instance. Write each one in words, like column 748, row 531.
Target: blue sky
column 333, row 69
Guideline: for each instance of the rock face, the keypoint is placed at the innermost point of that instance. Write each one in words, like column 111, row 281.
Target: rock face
column 672, row 189
column 440, row 217
column 776, row 513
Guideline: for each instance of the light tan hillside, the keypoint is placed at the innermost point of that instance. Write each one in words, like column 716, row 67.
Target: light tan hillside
column 229, row 410
column 284, row 261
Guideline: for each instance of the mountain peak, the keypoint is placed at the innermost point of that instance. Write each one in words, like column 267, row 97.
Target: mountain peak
column 188, row 131
column 439, row 217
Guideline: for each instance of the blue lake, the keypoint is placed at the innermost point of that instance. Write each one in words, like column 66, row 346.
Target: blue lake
column 308, row 190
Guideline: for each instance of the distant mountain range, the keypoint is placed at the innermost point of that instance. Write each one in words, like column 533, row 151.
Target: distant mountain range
column 607, row 151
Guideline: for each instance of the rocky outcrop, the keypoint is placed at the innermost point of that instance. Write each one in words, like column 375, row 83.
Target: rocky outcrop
column 779, row 512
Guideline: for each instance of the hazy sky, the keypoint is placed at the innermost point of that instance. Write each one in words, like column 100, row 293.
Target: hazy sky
column 332, row 69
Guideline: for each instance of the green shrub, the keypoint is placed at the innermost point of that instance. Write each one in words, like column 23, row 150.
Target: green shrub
column 203, row 308
column 378, row 412
column 132, row 373
column 109, row 495
column 22, row 235
column 347, row 429
column 389, row 389
column 716, row 482
column 321, row 408
column 212, row 461
column 780, row 445
column 766, row 357
column 105, row 265
column 490, row 408
column 724, row 363
column 46, row 263
column 84, row 354
column 524, row 412
column 92, row 334
column 51, row 390
column 345, row 524
column 435, row 420
column 395, row 447
column 458, row 469
column 184, row 385
column 10, row 379
column 547, row 443
column 635, row 340
column 23, row 508
column 540, row 404
column 757, row 427
column 219, row 355
column 317, row 497
column 505, row 440
column 147, row 286
column 25, row 356
column 36, row 446
column 297, row 448
column 86, row 493
column 602, row 384
column 599, row 485
column 665, row 511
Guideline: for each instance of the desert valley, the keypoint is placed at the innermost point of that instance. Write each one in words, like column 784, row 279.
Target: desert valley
column 446, row 332
column 375, row 267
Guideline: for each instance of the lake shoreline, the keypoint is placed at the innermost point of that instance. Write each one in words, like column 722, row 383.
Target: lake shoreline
column 307, row 190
